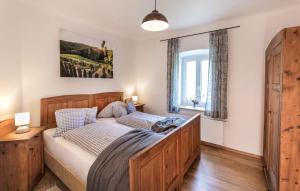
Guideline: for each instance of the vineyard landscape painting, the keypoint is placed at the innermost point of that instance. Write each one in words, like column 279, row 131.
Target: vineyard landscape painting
column 84, row 58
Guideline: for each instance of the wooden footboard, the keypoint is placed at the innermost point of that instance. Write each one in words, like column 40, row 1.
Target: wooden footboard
column 163, row 165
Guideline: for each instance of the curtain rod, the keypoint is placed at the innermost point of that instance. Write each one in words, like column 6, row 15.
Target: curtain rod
column 201, row 33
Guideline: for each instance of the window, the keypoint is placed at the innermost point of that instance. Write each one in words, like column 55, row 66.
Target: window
column 193, row 77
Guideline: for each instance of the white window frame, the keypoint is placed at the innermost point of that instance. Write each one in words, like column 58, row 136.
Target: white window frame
column 195, row 55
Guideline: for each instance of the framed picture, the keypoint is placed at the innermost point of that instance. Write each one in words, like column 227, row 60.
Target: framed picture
column 84, row 57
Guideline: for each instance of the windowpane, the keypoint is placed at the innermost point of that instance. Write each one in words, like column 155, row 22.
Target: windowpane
column 193, row 77
column 190, row 80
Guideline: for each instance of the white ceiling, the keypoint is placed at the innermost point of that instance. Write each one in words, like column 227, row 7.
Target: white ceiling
column 125, row 16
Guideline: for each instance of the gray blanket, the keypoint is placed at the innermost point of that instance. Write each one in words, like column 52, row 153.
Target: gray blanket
column 110, row 171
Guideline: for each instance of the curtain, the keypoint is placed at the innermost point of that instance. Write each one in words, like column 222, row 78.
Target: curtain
column 216, row 104
column 172, row 76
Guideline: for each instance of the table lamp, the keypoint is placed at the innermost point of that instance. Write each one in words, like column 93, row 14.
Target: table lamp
column 21, row 121
column 135, row 99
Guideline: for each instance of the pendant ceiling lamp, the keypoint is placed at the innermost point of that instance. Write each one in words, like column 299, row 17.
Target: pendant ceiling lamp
column 155, row 21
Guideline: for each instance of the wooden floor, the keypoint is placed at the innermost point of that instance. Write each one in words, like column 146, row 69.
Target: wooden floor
column 218, row 170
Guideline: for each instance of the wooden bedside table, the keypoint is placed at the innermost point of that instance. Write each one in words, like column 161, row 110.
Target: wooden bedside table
column 22, row 159
column 139, row 107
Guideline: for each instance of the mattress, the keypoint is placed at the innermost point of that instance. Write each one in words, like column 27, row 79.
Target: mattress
column 71, row 155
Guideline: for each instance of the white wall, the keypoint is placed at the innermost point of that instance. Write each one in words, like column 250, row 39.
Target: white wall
column 40, row 60
column 10, row 72
column 244, row 128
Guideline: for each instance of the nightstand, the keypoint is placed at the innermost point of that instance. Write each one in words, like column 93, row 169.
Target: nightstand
column 139, row 107
column 22, row 159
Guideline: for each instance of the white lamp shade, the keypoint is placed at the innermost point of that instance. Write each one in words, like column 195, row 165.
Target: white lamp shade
column 22, row 119
column 155, row 25
column 135, row 98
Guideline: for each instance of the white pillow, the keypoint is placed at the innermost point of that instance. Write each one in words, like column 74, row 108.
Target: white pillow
column 67, row 120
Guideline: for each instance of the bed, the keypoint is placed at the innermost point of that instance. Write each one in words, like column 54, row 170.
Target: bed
column 160, row 166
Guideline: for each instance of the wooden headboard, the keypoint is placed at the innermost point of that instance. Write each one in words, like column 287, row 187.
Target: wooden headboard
column 51, row 104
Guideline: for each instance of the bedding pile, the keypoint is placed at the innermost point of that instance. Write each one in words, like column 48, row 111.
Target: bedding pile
column 168, row 124
column 110, row 171
column 156, row 123
column 139, row 120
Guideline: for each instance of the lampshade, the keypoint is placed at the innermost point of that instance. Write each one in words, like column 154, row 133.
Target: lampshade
column 22, row 119
column 155, row 21
column 135, row 98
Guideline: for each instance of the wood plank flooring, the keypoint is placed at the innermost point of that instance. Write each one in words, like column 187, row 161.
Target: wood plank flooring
column 218, row 170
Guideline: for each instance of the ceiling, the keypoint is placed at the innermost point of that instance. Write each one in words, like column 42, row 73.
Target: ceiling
column 125, row 16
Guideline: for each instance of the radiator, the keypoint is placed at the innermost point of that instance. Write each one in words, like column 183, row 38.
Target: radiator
column 212, row 131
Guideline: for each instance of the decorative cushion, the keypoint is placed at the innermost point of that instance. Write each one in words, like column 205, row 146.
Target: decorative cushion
column 130, row 107
column 68, row 119
column 91, row 115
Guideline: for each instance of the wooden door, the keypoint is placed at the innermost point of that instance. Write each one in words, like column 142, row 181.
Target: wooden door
column 290, row 113
column 267, row 107
column 274, row 138
column 274, row 116
column 273, row 110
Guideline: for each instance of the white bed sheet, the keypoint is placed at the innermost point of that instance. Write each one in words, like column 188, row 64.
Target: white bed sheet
column 71, row 156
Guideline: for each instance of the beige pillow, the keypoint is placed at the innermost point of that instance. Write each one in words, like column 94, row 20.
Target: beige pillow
column 114, row 109
column 119, row 109
column 107, row 112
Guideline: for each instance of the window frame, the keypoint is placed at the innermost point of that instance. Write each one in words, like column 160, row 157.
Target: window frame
column 199, row 56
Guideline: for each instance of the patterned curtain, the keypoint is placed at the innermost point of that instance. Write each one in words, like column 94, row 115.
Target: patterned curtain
column 172, row 75
column 216, row 104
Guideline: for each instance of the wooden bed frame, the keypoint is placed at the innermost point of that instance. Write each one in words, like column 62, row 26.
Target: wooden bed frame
column 160, row 166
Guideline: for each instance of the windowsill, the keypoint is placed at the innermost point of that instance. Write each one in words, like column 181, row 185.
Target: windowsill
column 192, row 108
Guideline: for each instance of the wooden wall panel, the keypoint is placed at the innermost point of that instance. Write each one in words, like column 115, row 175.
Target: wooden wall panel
column 196, row 136
column 151, row 174
column 171, row 163
column 186, row 146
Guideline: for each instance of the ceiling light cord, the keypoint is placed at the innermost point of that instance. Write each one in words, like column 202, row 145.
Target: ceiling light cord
column 155, row 5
